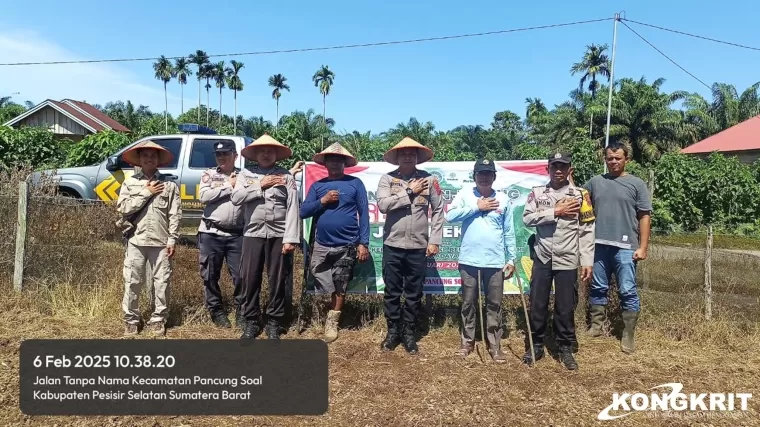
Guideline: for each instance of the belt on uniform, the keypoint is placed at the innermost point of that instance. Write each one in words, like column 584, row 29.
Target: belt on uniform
column 213, row 224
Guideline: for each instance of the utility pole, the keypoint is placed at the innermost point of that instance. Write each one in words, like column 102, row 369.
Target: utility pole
column 612, row 84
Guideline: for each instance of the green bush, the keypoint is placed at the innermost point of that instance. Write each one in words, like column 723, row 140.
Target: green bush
column 34, row 147
column 95, row 148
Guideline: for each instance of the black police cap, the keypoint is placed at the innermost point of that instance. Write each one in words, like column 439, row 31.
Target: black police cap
column 224, row 146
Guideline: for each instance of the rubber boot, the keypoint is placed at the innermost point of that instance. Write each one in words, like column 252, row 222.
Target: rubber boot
column 596, row 313
column 627, row 344
column 331, row 326
column 393, row 337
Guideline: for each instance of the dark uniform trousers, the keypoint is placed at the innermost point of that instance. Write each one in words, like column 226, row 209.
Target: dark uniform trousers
column 258, row 252
column 565, row 300
column 214, row 250
column 403, row 272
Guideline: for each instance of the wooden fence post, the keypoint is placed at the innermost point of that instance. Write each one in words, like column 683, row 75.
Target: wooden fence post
column 18, row 269
column 708, row 273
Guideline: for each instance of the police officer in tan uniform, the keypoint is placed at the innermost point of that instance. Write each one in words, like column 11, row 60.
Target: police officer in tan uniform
column 405, row 195
column 272, row 230
column 564, row 241
column 220, row 233
column 151, row 211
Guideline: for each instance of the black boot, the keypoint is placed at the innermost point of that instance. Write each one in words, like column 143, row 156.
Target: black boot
column 566, row 357
column 220, row 319
column 393, row 337
column 528, row 357
column 251, row 329
column 409, row 339
column 273, row 329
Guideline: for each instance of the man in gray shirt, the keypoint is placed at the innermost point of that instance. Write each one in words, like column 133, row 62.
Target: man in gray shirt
column 623, row 210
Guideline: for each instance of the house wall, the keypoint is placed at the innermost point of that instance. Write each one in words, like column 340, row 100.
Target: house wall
column 54, row 121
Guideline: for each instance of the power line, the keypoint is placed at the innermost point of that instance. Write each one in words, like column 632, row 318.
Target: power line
column 693, row 35
column 666, row 56
column 312, row 49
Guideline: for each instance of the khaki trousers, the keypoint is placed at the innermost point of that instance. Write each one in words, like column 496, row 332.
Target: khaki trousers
column 139, row 261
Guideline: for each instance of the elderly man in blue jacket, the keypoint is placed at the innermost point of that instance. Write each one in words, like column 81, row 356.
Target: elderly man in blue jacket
column 487, row 245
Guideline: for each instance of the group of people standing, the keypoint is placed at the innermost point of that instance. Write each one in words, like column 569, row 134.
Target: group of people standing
column 252, row 219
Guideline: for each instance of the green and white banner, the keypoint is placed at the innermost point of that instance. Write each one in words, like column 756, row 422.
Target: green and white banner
column 516, row 178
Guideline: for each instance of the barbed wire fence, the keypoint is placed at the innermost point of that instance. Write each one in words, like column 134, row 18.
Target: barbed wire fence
column 50, row 238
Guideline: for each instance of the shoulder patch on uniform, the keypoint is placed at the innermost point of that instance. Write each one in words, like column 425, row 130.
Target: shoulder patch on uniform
column 205, row 178
column 437, row 187
column 531, row 196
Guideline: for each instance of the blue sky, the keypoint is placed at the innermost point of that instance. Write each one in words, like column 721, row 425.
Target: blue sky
column 450, row 83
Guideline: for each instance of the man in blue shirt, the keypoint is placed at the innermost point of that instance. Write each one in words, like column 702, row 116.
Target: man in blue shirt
column 487, row 245
column 339, row 205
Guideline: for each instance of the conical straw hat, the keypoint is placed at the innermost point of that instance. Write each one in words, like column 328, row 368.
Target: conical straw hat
column 424, row 154
column 283, row 152
column 338, row 150
column 132, row 155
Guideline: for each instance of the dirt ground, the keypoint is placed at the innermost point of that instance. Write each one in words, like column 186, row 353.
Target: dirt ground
column 435, row 388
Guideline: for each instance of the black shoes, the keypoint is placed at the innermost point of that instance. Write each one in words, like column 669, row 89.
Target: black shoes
column 528, row 357
column 273, row 329
column 392, row 338
column 220, row 319
column 409, row 340
column 400, row 335
column 567, row 359
column 251, row 330
column 565, row 356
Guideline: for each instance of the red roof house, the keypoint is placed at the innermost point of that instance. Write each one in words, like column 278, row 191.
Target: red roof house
column 741, row 140
column 67, row 119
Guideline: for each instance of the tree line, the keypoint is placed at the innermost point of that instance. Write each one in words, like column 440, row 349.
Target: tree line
column 689, row 193
column 225, row 76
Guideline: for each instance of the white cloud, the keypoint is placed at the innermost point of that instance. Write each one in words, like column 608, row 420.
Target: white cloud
column 96, row 83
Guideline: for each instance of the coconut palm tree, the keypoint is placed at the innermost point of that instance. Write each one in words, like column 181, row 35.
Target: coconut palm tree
column 323, row 79
column 235, row 84
column 277, row 81
column 200, row 59
column 219, row 73
column 181, row 71
column 594, row 62
column 163, row 71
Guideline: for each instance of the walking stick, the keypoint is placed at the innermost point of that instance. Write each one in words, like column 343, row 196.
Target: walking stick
column 480, row 305
column 527, row 319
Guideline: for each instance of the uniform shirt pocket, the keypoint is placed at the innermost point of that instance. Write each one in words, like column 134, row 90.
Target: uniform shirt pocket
column 162, row 201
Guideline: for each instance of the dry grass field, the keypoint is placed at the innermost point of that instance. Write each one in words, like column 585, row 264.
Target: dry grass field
column 75, row 292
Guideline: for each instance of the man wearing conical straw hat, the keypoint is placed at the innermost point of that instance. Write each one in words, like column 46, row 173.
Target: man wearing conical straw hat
column 339, row 204
column 405, row 195
column 272, row 230
column 150, row 208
